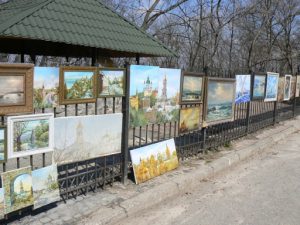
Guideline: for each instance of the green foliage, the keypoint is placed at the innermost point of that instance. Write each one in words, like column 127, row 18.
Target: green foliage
column 137, row 118
column 42, row 134
column 153, row 100
column 82, row 88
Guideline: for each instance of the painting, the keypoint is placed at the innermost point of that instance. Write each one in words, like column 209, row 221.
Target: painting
column 220, row 100
column 111, row 82
column 297, row 91
column 281, row 83
column 45, row 186
column 30, row 134
column 80, row 138
column 46, row 84
column 293, row 87
column 3, row 144
column 191, row 88
column 77, row 85
column 287, row 87
column 259, row 87
column 272, row 87
column 189, row 119
column 153, row 160
column 17, row 186
column 2, row 212
column 154, row 95
column 243, row 88
column 16, row 88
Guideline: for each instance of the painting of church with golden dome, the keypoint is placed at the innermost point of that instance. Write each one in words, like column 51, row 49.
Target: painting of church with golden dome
column 153, row 160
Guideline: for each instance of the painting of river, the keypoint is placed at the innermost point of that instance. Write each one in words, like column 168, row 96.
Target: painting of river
column 12, row 90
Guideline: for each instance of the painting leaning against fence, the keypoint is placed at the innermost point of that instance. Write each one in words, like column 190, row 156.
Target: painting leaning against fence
column 1, row 203
column 280, row 95
column 3, row 141
column 287, row 87
column 297, row 92
column 154, row 95
column 272, row 87
column 189, row 119
column 243, row 88
column 17, row 189
column 153, row 160
column 111, row 82
column 80, row 138
column 45, row 186
column 259, row 87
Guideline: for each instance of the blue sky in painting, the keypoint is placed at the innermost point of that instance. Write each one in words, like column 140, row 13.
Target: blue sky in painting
column 47, row 76
column 272, row 85
column 1, row 134
column 40, row 176
column 71, row 76
column 220, row 92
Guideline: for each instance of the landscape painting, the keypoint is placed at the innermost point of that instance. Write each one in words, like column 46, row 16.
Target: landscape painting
column 189, row 119
column 111, row 82
column 281, row 83
column 3, row 141
column 85, row 137
column 154, row 95
column 272, row 87
column 259, row 87
column 297, row 91
column 243, row 88
column 12, row 90
column 45, row 186
column 31, row 134
column 287, row 87
column 2, row 213
column 293, row 87
column 192, row 88
column 17, row 186
column 220, row 100
column 46, row 84
column 153, row 160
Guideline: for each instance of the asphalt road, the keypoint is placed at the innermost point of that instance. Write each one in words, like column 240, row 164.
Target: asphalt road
column 263, row 190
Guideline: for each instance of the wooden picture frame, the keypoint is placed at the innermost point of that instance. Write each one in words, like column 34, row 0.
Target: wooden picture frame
column 182, row 129
column 21, row 94
column 3, row 131
column 207, row 108
column 253, row 93
column 63, row 98
column 182, row 84
column 100, row 82
column 269, row 86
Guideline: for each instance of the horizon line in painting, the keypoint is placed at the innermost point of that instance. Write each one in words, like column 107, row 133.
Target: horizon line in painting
column 192, row 88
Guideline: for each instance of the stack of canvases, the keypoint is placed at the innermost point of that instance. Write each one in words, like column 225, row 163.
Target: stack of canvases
column 23, row 88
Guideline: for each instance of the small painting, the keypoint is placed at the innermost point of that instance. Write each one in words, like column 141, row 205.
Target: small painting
column 3, row 146
column 189, row 119
column 287, row 87
column 77, row 85
column 293, row 87
column 280, row 97
column 2, row 212
column 191, row 88
column 272, row 87
column 297, row 91
column 259, row 87
column 30, row 134
column 243, row 88
column 111, row 82
column 45, row 186
column 17, row 189
column 153, row 160
column 220, row 100
column 12, row 90
column 46, row 84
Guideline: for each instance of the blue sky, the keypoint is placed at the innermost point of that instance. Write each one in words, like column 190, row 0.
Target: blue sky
column 1, row 134
column 47, row 76
column 220, row 92
column 40, row 176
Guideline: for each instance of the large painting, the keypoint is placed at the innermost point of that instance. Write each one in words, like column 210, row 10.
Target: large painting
column 154, row 95
column 220, row 100
column 80, row 138
column 77, row 85
column 243, row 88
column 272, row 87
column 111, row 82
column 46, row 84
column 281, row 84
column 191, row 88
column 45, row 186
column 297, row 91
column 153, row 160
column 16, row 88
column 2, row 212
column 30, row 134
column 189, row 119
column 287, row 87
column 259, row 87
column 3, row 144
column 17, row 189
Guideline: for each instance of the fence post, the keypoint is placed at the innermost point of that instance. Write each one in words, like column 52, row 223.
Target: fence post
column 204, row 138
column 248, row 117
column 294, row 106
column 275, row 113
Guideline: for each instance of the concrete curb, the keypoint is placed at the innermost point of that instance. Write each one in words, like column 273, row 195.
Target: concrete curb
column 189, row 181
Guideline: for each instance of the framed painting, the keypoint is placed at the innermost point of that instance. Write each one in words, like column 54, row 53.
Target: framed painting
column 17, row 186
column 271, row 87
column 297, row 92
column 192, row 86
column 287, row 87
column 16, row 88
column 189, row 119
column 46, row 85
column 30, row 134
column 293, row 87
column 3, row 144
column 153, row 160
column 77, row 85
column 280, row 95
column 243, row 88
column 2, row 212
column 111, row 82
column 259, row 87
column 220, row 100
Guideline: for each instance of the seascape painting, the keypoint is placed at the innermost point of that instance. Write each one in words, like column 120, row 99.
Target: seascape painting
column 272, row 87
column 17, row 189
column 111, row 82
column 220, row 100
column 2, row 203
column 281, row 84
column 2, row 144
column 189, row 119
column 297, row 91
column 153, row 160
column 46, row 84
column 243, row 88
column 191, row 89
column 287, row 87
column 154, row 95
column 259, row 87
column 84, row 137
column 12, row 90
column 45, row 186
